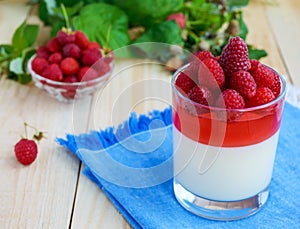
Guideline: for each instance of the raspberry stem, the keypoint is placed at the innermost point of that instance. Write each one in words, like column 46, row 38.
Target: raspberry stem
column 39, row 135
column 65, row 14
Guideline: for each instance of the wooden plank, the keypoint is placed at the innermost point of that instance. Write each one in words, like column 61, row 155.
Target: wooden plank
column 284, row 19
column 261, row 35
column 41, row 194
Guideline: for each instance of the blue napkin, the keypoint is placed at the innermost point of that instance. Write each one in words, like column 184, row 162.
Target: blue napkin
column 140, row 184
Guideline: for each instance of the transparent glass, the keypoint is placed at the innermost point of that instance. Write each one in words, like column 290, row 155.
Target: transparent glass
column 68, row 92
column 223, row 159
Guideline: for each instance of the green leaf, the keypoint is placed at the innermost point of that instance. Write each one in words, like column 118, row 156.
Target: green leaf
column 56, row 26
column 148, row 12
column 167, row 32
column 203, row 16
column 103, row 23
column 256, row 53
column 21, row 78
column 234, row 4
column 71, row 11
column 5, row 52
column 26, row 56
column 24, row 78
column 243, row 27
column 24, row 36
column 16, row 66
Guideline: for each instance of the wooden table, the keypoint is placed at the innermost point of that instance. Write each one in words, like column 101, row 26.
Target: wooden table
column 52, row 192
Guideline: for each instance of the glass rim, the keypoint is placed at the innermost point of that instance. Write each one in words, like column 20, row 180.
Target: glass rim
column 283, row 91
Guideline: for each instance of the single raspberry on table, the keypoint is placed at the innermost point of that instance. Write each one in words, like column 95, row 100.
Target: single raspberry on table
column 234, row 56
column 81, row 39
column 244, row 83
column 39, row 65
column 72, row 50
column 211, row 74
column 201, row 94
column 53, row 45
column 184, row 83
column 43, row 52
column 90, row 56
column 53, row 72
column 55, row 58
column 69, row 66
column 25, row 149
column 263, row 95
column 266, row 77
column 231, row 99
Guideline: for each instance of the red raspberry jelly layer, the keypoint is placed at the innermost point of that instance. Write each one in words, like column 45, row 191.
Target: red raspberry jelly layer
column 244, row 128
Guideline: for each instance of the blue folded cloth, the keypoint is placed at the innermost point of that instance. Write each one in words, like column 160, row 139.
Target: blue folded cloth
column 133, row 167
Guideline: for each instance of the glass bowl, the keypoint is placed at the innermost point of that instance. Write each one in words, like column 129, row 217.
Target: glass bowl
column 68, row 92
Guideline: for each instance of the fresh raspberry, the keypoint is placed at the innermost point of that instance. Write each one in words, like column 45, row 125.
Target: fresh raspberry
column 72, row 50
column 101, row 67
column 53, row 45
column 87, row 74
column 266, row 77
column 65, row 38
column 255, row 65
column 90, row 56
column 192, row 70
column 184, row 83
column 55, row 58
column 202, row 55
column 201, row 94
column 26, row 151
column 53, row 72
column 93, row 44
column 69, row 66
column 70, row 79
column 39, row 64
column 179, row 18
column 81, row 39
column 211, row 74
column 234, row 56
column 244, row 83
column 231, row 99
column 43, row 52
column 263, row 95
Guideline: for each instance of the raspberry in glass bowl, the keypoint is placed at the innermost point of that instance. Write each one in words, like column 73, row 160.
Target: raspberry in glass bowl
column 226, row 123
column 70, row 66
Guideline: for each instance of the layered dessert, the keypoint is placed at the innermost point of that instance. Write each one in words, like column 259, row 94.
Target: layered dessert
column 226, row 120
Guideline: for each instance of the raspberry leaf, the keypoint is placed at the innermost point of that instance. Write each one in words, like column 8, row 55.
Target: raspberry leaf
column 256, row 53
column 24, row 37
column 110, row 24
column 233, row 4
column 148, row 12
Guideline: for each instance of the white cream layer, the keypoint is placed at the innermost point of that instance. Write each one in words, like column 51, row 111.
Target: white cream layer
column 223, row 173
